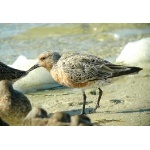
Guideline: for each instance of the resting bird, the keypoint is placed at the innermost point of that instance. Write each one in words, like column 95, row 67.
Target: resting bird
column 13, row 105
column 11, row 74
column 81, row 71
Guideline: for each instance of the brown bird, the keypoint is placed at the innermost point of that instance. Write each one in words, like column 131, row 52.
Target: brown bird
column 80, row 120
column 9, row 73
column 3, row 123
column 13, row 105
column 81, row 71
column 37, row 116
column 59, row 119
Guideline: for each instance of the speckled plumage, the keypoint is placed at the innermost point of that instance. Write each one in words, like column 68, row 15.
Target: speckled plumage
column 81, row 70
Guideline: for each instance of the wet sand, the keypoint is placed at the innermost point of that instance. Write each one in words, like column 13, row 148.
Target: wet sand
column 125, row 102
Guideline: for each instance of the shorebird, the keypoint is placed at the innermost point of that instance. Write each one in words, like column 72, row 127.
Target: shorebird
column 80, row 120
column 37, row 116
column 36, row 112
column 59, row 119
column 78, row 70
column 3, row 123
column 13, row 104
column 11, row 74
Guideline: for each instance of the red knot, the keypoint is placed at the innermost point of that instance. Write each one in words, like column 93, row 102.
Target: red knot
column 9, row 73
column 78, row 70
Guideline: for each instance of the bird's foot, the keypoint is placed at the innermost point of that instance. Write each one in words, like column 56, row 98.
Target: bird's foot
column 83, row 113
column 94, row 110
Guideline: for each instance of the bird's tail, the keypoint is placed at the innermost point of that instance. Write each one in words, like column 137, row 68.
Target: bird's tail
column 124, row 70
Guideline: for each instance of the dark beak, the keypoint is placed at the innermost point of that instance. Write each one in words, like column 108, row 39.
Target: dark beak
column 33, row 67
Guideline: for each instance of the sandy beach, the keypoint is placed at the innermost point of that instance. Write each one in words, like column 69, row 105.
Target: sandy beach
column 125, row 102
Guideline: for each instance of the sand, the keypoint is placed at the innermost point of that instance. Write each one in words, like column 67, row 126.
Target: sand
column 125, row 101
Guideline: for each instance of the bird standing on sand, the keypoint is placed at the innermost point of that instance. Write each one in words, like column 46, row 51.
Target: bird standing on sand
column 9, row 73
column 81, row 71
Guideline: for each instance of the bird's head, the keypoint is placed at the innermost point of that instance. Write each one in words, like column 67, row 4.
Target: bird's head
column 47, row 60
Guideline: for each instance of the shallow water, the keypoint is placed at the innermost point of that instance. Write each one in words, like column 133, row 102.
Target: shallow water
column 103, row 40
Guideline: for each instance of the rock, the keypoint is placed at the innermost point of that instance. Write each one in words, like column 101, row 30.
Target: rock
column 136, row 54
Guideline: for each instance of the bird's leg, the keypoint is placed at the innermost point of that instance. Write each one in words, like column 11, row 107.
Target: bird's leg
column 84, row 102
column 98, row 101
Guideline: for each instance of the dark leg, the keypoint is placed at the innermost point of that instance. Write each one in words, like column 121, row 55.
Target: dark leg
column 98, row 101
column 84, row 102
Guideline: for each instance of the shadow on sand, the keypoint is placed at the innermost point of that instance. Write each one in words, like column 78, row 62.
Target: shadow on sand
column 133, row 111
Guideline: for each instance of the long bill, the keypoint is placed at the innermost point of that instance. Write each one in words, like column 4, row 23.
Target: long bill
column 33, row 67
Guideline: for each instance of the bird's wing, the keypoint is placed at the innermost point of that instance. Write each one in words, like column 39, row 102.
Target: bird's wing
column 83, row 68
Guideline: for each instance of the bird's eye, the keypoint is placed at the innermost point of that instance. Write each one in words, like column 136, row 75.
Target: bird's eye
column 43, row 58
